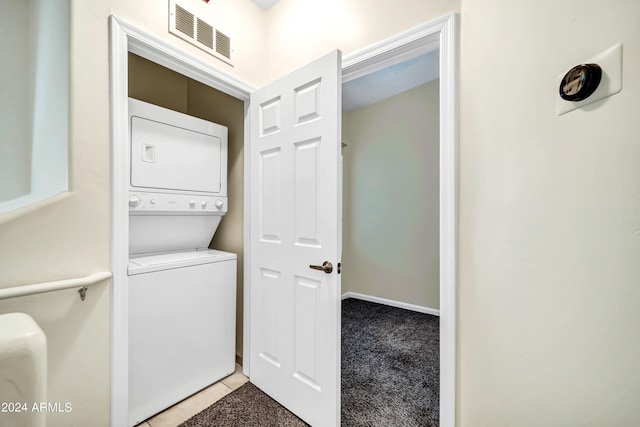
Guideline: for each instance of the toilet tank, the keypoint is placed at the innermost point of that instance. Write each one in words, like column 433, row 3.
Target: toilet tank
column 23, row 371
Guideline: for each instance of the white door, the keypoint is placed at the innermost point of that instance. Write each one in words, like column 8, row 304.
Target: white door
column 296, row 221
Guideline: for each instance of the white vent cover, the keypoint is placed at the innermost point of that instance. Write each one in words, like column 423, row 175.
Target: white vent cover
column 198, row 32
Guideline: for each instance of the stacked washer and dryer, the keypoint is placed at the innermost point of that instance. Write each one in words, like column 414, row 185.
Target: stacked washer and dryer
column 182, row 295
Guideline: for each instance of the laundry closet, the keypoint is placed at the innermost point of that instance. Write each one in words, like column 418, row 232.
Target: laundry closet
column 186, row 164
column 155, row 84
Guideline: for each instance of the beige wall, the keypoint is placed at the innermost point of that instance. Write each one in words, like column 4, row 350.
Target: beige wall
column 549, row 219
column 300, row 31
column 241, row 20
column 158, row 85
column 68, row 236
column 208, row 104
column 390, row 210
column 548, row 205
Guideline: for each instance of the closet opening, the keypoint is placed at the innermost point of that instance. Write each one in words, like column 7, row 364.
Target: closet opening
column 391, row 274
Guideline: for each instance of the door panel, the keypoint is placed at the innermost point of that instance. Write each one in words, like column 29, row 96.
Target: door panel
column 296, row 191
column 306, row 195
column 270, row 202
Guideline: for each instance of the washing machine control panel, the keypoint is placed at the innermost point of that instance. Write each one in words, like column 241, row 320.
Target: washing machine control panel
column 143, row 202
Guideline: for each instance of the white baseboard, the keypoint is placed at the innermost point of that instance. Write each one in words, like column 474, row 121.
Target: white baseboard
column 392, row 303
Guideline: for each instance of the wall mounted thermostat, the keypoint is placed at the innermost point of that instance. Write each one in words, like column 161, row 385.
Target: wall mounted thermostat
column 580, row 82
column 596, row 78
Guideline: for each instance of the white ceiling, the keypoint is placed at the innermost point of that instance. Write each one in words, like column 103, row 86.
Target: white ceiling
column 390, row 81
column 265, row 4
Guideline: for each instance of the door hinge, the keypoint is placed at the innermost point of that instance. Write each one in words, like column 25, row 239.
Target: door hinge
column 339, row 267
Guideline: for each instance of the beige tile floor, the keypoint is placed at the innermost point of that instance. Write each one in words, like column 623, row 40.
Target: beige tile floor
column 182, row 411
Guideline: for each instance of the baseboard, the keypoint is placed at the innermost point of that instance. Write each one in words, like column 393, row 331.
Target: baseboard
column 392, row 303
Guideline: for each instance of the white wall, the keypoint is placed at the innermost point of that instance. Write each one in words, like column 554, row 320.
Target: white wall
column 390, row 209
column 549, row 219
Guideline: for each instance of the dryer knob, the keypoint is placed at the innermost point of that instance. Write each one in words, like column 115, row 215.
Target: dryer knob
column 134, row 201
column 204, row 204
column 219, row 204
column 192, row 204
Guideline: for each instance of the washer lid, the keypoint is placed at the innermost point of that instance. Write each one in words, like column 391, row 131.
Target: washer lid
column 170, row 260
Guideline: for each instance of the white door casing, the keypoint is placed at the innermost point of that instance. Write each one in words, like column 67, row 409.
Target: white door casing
column 296, row 221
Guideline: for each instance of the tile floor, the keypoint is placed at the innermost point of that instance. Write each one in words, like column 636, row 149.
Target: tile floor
column 182, row 411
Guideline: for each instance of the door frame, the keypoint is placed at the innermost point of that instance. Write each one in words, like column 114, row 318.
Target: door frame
column 441, row 33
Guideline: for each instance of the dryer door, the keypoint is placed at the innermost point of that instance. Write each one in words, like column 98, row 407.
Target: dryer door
column 168, row 157
column 175, row 152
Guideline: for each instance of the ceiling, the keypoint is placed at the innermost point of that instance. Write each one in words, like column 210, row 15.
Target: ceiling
column 390, row 81
column 265, row 4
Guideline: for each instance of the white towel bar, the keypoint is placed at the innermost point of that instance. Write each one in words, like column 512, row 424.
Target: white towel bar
column 38, row 288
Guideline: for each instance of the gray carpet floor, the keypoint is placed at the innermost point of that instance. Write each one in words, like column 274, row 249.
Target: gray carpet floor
column 390, row 375
column 390, row 366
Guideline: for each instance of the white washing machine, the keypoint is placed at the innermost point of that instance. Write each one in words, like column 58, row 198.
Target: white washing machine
column 182, row 295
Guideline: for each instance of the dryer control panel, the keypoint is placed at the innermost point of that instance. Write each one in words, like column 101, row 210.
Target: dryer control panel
column 146, row 202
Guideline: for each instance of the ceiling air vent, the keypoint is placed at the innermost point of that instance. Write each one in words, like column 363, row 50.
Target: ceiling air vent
column 197, row 31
